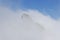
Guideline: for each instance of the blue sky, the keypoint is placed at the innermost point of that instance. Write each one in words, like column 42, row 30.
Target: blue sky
column 47, row 7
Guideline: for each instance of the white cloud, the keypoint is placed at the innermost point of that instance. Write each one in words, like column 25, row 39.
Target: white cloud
column 13, row 27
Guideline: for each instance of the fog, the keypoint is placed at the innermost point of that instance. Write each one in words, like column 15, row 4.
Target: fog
column 27, row 25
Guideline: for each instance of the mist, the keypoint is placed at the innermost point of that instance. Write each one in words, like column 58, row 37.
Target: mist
column 27, row 25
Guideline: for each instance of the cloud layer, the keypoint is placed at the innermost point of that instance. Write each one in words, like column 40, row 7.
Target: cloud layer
column 13, row 27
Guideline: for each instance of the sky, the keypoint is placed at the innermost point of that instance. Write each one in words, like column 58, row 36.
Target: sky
column 29, row 20
column 47, row 7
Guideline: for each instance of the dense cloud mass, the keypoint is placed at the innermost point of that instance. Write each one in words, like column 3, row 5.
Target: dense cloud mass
column 27, row 25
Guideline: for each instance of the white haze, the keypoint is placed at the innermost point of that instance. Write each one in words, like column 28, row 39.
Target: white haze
column 27, row 25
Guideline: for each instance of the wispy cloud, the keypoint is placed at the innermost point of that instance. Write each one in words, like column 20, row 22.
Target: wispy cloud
column 13, row 4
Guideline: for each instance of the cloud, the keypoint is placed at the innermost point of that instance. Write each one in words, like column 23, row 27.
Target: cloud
column 12, row 4
column 13, row 27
